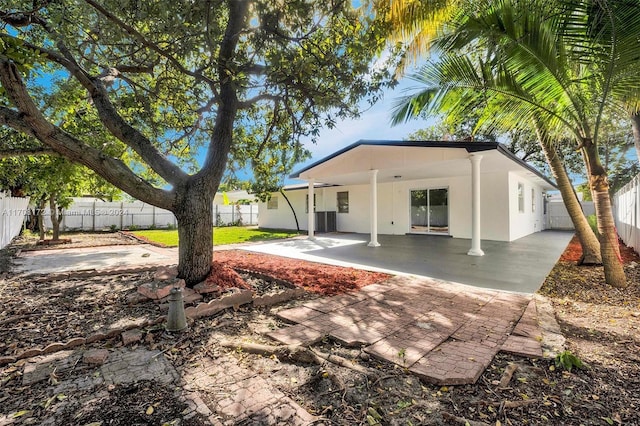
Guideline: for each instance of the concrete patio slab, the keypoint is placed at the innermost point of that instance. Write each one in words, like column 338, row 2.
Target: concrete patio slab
column 520, row 265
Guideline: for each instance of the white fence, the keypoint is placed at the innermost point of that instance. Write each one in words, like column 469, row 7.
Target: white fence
column 98, row 215
column 626, row 204
column 12, row 212
column 558, row 217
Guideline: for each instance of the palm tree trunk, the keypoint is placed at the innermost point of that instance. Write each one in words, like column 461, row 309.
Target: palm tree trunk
column 635, row 126
column 588, row 240
column 609, row 247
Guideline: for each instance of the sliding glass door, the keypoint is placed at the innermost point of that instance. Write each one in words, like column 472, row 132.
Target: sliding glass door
column 430, row 211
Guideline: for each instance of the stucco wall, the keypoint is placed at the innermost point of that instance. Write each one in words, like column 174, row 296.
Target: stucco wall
column 394, row 207
column 529, row 221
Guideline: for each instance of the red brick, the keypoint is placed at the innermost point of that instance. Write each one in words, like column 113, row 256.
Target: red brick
column 131, row 336
column 53, row 347
column 96, row 356
column 157, row 291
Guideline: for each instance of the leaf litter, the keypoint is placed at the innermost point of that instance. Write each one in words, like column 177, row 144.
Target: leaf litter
column 601, row 325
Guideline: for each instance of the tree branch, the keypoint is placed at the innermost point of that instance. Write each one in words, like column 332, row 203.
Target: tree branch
column 143, row 40
column 261, row 97
column 111, row 119
column 222, row 135
column 29, row 120
column 8, row 153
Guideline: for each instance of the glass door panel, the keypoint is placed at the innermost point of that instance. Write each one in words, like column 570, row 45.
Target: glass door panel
column 438, row 211
column 419, row 211
column 430, row 211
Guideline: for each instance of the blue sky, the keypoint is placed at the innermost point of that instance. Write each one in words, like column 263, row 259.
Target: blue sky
column 374, row 123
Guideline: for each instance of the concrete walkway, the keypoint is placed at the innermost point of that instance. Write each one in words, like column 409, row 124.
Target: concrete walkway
column 93, row 258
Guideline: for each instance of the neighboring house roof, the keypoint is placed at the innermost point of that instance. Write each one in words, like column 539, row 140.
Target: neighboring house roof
column 348, row 165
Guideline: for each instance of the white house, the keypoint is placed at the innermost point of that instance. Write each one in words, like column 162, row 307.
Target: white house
column 475, row 190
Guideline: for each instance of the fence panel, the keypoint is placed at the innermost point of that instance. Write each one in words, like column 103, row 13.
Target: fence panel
column 240, row 215
column 12, row 213
column 558, row 217
column 626, row 204
column 99, row 215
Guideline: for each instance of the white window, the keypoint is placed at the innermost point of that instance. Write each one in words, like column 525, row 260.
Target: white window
column 520, row 197
column 272, row 204
column 533, row 200
column 343, row 202
column 306, row 203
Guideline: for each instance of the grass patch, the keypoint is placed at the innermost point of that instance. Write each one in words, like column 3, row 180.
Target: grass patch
column 221, row 236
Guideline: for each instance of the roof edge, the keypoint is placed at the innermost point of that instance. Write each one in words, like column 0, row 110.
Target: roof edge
column 468, row 145
column 505, row 151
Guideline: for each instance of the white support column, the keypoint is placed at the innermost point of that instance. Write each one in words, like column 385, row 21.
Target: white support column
column 475, row 206
column 373, row 183
column 311, row 215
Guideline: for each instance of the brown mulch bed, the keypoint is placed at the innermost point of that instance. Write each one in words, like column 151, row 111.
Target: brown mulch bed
column 325, row 280
column 601, row 324
column 573, row 252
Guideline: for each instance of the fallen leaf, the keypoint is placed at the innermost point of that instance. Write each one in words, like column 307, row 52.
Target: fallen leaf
column 20, row 413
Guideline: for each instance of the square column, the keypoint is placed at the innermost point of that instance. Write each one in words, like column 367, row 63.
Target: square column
column 373, row 208
column 311, row 216
column 475, row 250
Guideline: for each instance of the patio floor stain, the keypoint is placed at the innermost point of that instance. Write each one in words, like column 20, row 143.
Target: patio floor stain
column 445, row 333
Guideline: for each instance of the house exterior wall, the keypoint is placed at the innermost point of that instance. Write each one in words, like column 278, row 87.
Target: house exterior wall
column 500, row 217
column 522, row 223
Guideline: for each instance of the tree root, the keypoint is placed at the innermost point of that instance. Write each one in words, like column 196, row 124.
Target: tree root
column 297, row 353
column 507, row 375
column 461, row 420
column 508, row 404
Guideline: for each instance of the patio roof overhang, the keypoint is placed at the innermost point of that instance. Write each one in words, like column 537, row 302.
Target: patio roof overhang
column 410, row 160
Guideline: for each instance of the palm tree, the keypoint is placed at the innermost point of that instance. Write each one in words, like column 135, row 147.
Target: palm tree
column 547, row 63
column 416, row 24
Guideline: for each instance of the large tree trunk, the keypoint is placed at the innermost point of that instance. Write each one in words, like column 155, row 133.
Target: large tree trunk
column 588, row 240
column 609, row 247
column 635, row 126
column 55, row 219
column 194, row 213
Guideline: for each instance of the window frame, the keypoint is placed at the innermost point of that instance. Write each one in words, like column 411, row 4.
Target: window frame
column 342, row 207
column 270, row 201
column 520, row 197
column 306, row 203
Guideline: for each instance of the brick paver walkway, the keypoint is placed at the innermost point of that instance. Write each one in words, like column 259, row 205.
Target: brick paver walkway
column 445, row 333
column 218, row 389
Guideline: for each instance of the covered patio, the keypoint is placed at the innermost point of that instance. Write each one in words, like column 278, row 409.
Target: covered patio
column 517, row 266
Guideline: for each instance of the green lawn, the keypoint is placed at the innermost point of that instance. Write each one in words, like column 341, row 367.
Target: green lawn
column 221, row 236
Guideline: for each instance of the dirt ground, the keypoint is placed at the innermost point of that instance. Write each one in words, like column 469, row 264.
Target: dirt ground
column 601, row 325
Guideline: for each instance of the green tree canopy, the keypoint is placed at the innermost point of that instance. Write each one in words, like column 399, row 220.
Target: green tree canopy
column 142, row 86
